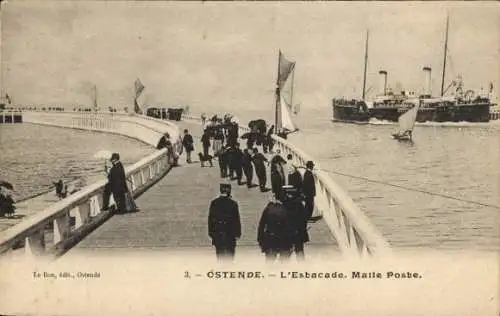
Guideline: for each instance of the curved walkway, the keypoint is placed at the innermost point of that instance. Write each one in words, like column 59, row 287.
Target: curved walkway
column 174, row 213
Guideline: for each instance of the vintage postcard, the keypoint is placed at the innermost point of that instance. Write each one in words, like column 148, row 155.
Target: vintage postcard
column 249, row 158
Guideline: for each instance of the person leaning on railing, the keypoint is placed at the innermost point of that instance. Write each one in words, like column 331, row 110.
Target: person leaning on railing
column 165, row 142
column 117, row 184
column 6, row 203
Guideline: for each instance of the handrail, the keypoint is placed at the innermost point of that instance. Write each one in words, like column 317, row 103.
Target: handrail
column 352, row 229
column 70, row 219
column 146, row 129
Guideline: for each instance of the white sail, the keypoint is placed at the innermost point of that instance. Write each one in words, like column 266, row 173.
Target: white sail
column 284, row 102
column 407, row 120
column 286, row 117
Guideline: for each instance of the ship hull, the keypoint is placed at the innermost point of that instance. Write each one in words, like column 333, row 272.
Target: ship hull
column 350, row 113
column 474, row 113
column 387, row 114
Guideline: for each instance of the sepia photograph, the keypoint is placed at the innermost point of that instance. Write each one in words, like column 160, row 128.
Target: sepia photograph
column 249, row 158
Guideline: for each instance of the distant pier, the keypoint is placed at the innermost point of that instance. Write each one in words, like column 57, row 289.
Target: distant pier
column 11, row 116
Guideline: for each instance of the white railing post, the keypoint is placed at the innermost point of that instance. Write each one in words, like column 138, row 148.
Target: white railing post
column 95, row 204
column 151, row 172
column 82, row 214
column 133, row 183
column 61, row 227
column 35, row 243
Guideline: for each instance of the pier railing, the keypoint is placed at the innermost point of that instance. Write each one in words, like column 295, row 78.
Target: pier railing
column 141, row 127
column 57, row 228
column 63, row 224
column 352, row 229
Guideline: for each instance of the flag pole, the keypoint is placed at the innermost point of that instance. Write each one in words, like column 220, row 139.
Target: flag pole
column 291, row 89
column 276, row 110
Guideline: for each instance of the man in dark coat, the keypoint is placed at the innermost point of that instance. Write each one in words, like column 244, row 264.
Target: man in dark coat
column 6, row 203
column 260, row 169
column 276, row 231
column 294, row 204
column 223, row 162
column 163, row 142
column 230, row 153
column 277, row 174
column 232, row 137
column 218, row 139
column 252, row 137
column 246, row 164
column 205, row 142
column 166, row 143
column 236, row 162
column 188, row 143
column 224, row 225
column 117, row 184
column 309, row 188
column 294, row 178
column 269, row 142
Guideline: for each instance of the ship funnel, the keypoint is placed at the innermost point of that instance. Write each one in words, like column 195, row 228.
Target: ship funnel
column 383, row 82
column 427, row 82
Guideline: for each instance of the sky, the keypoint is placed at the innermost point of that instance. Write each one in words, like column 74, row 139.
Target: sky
column 224, row 54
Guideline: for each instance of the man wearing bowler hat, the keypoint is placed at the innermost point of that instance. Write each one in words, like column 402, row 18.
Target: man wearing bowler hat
column 309, row 188
column 224, row 225
column 117, row 184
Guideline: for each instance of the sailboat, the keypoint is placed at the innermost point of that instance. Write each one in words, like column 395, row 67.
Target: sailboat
column 407, row 123
column 284, row 124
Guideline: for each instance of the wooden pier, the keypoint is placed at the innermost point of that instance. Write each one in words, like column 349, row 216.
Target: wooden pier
column 174, row 202
column 174, row 213
column 11, row 116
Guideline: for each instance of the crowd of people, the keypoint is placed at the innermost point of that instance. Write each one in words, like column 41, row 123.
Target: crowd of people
column 282, row 228
column 283, row 225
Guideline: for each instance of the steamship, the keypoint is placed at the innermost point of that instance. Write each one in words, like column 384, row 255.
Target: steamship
column 460, row 106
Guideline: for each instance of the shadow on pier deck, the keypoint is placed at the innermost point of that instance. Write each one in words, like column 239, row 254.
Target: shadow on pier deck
column 174, row 215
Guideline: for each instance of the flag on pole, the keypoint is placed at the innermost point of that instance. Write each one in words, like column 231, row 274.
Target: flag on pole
column 8, row 98
column 139, row 87
column 137, row 108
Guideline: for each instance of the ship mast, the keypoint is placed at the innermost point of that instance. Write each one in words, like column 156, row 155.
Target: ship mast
column 445, row 52
column 277, row 103
column 95, row 98
column 291, row 89
column 366, row 63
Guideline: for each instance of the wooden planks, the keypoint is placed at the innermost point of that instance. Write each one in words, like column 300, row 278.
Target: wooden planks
column 174, row 213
